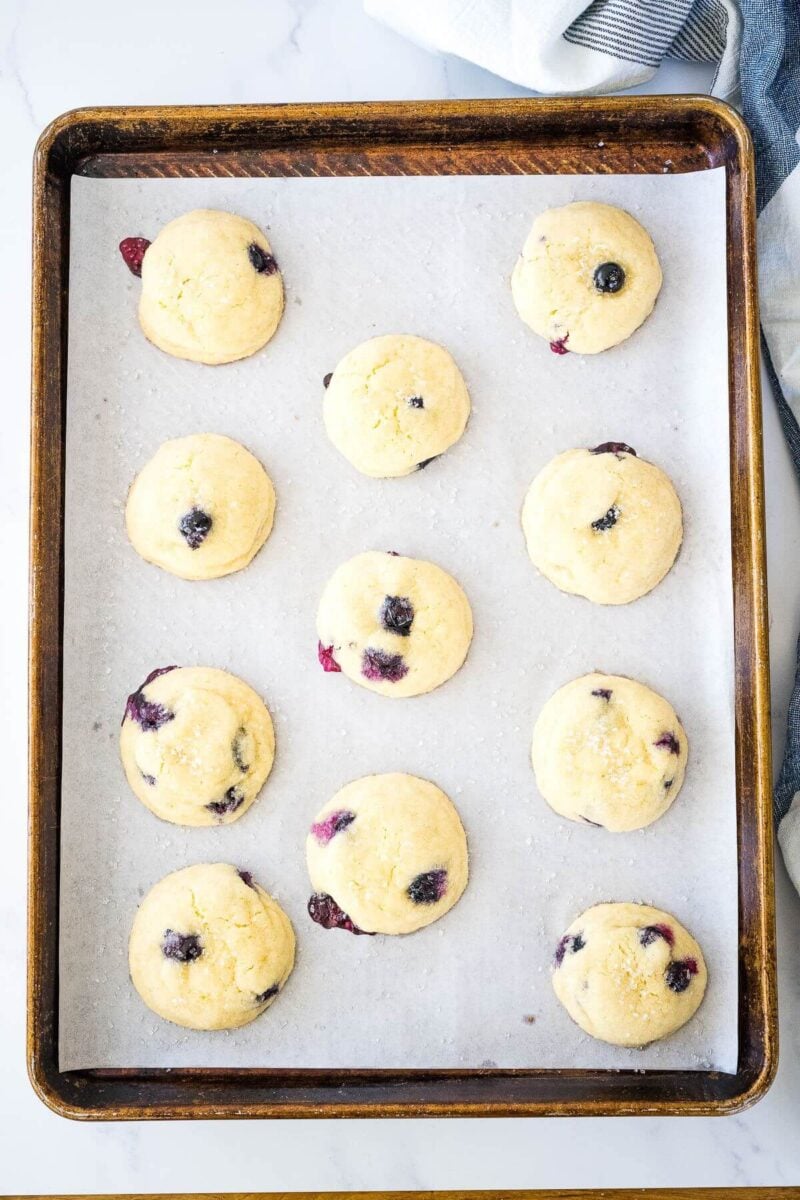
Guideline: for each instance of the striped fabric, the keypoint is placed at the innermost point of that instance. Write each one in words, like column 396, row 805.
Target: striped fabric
column 646, row 31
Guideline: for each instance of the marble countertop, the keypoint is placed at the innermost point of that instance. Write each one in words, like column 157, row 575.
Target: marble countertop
column 58, row 56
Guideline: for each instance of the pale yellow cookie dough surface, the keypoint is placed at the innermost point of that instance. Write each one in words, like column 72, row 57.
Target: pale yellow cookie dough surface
column 553, row 281
column 580, row 490
column 616, row 964
column 202, row 298
column 210, row 476
column 395, row 402
column 352, row 625
column 405, row 839
column 197, row 745
column 609, row 751
column 230, row 948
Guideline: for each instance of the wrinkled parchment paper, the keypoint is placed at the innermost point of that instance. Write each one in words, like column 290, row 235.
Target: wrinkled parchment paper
column 360, row 257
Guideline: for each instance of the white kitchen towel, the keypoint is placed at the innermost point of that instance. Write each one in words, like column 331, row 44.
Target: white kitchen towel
column 568, row 47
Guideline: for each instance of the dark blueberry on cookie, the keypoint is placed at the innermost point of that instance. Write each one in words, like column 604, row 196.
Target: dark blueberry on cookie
column 559, row 345
column 246, row 877
column 133, row 251
column 397, row 615
column 608, row 520
column 237, row 751
column 263, row 262
column 572, row 942
column 679, row 974
column 181, row 947
column 609, row 277
column 602, row 693
column 326, row 379
column 334, row 823
column 323, row 909
column 415, row 402
column 378, row 665
column 325, row 656
column 263, row 997
column 150, row 780
column 425, row 462
column 429, row 887
column 149, row 715
column 229, row 803
column 651, row 933
column 668, row 741
column 615, row 448
column 195, row 526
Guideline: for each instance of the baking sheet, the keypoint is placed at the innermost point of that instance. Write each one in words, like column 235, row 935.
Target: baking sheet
column 360, row 257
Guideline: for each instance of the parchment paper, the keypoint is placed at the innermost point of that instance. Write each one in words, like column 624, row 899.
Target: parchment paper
column 360, row 257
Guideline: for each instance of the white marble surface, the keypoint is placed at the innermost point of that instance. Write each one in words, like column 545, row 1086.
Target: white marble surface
column 56, row 56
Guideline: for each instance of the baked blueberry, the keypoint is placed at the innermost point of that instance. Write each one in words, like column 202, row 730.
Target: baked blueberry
column 429, row 887
column 651, row 933
column 263, row 997
column 602, row 693
column 615, row 448
column 609, row 277
column 397, row 615
column 326, row 912
column 133, row 251
column 229, row 803
column 668, row 741
column 147, row 713
column 181, row 947
column 572, row 942
column 378, row 665
column 333, row 823
column 326, row 379
column 195, row 526
column 415, row 402
column 607, row 521
column 426, row 462
column 325, row 656
column 263, row 262
column 559, row 345
column 237, row 748
column 679, row 974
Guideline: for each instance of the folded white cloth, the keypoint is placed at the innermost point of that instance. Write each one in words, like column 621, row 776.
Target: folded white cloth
column 569, row 46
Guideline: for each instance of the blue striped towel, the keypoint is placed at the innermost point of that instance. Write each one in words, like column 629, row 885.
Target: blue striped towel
column 565, row 46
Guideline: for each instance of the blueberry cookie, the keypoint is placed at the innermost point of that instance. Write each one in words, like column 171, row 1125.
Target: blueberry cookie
column 211, row 288
column 608, row 751
column 394, row 403
column 628, row 974
column 202, row 507
column 388, row 854
column 395, row 625
column 209, row 948
column 587, row 278
column 603, row 523
column 197, row 745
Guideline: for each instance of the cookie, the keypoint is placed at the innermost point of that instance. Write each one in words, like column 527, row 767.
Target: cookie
column 394, row 625
column 197, row 745
column 202, row 507
column 603, row 523
column 609, row 751
column 388, row 854
column 394, row 403
column 587, row 278
column 628, row 974
column 211, row 288
column 209, row 948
